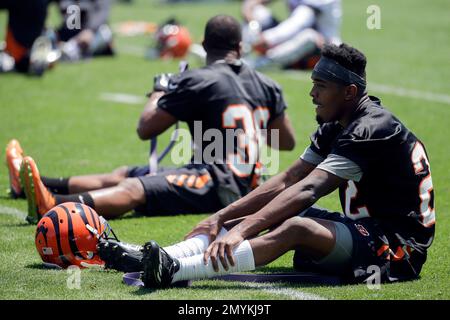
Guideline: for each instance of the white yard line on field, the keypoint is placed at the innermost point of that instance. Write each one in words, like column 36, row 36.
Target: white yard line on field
column 121, row 98
column 13, row 212
column 382, row 88
column 410, row 93
column 283, row 291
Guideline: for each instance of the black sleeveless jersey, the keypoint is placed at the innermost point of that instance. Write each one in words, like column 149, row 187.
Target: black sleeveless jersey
column 230, row 103
column 396, row 189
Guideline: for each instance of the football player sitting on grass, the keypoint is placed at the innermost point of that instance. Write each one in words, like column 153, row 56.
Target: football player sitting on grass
column 294, row 43
column 380, row 168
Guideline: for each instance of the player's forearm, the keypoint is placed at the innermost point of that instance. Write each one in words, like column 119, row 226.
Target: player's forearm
column 151, row 105
column 255, row 200
column 288, row 204
column 259, row 197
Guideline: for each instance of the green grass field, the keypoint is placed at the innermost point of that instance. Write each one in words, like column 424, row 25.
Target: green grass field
column 61, row 121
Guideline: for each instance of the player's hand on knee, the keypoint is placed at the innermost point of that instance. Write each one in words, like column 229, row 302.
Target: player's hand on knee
column 222, row 250
column 210, row 226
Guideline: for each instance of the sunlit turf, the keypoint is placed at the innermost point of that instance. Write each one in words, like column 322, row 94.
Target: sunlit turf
column 62, row 123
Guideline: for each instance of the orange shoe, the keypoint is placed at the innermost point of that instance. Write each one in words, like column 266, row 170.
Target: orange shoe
column 40, row 200
column 14, row 157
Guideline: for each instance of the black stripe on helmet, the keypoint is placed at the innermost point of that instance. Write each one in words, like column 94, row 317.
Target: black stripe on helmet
column 53, row 215
column 81, row 212
column 94, row 219
column 72, row 242
column 41, row 229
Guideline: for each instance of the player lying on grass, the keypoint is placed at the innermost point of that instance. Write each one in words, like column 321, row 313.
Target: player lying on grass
column 386, row 192
column 226, row 96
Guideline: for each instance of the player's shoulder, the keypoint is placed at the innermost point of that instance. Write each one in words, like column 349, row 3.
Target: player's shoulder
column 193, row 79
column 373, row 122
column 189, row 76
column 264, row 80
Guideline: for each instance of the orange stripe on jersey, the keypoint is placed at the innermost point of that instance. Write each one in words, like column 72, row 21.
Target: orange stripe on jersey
column 190, row 182
column 202, row 180
column 181, row 180
column 399, row 254
column 382, row 249
column 171, row 178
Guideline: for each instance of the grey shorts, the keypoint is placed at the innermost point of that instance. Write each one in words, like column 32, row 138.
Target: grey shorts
column 341, row 255
column 339, row 259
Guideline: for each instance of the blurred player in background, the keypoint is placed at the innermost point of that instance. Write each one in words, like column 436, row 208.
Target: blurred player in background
column 25, row 50
column 296, row 41
column 224, row 95
column 32, row 48
column 93, row 37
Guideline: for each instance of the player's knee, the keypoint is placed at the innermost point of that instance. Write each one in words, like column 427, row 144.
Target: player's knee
column 121, row 172
column 134, row 190
column 310, row 35
column 299, row 229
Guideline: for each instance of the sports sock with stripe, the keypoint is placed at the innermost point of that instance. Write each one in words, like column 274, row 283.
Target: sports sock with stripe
column 56, row 185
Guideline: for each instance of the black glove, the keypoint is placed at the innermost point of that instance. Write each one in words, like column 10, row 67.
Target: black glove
column 161, row 82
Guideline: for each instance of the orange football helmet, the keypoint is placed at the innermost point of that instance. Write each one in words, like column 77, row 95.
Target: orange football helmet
column 68, row 235
column 172, row 40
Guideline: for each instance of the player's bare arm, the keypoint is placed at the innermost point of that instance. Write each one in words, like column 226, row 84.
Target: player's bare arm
column 253, row 201
column 154, row 120
column 286, row 138
column 285, row 205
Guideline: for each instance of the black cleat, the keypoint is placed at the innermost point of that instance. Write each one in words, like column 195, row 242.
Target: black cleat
column 120, row 256
column 159, row 266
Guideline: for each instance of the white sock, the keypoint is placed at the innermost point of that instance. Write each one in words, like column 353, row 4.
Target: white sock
column 192, row 246
column 193, row 268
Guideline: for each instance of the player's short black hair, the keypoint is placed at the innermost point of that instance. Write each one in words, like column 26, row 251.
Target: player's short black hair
column 222, row 32
column 346, row 56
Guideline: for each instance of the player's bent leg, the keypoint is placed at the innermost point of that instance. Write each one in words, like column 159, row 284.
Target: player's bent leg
column 316, row 237
column 302, row 18
column 296, row 48
column 337, row 262
column 313, row 235
column 115, row 201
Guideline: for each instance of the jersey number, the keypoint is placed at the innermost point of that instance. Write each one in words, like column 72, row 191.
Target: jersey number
column 419, row 160
column 420, row 163
column 351, row 193
column 243, row 161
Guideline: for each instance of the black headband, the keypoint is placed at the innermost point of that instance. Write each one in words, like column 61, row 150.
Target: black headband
column 330, row 70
